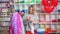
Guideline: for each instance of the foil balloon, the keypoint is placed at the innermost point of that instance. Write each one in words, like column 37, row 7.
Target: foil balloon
column 45, row 2
column 49, row 5
column 55, row 2
column 49, row 8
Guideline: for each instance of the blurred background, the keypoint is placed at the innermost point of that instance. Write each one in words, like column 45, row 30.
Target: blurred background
column 50, row 22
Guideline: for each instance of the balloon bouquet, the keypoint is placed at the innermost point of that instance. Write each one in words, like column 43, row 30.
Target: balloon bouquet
column 49, row 5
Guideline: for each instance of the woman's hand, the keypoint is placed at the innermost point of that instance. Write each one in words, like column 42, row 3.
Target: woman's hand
column 31, row 19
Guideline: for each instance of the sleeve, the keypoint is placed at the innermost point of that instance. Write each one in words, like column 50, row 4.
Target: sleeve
column 36, row 18
column 25, row 17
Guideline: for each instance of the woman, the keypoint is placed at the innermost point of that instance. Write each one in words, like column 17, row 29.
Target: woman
column 31, row 18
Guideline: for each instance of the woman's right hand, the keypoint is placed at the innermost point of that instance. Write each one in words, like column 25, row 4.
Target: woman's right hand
column 30, row 19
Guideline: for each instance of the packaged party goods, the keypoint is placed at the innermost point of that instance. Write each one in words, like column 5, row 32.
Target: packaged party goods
column 6, row 19
column 58, row 28
column 1, row 28
column 4, row 10
column 30, row 1
column 4, row 24
column 3, row 5
column 27, row 1
column 48, row 28
column 47, row 17
column 58, row 17
column 1, row 19
column 54, row 28
column 21, row 1
column 4, row 0
column 38, row 1
column 40, row 29
column 16, row 0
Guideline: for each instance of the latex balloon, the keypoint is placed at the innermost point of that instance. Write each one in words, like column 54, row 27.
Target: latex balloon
column 45, row 2
column 48, row 2
column 48, row 8
column 54, row 2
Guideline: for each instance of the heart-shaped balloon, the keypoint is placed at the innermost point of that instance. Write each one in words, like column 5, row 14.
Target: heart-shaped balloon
column 49, row 8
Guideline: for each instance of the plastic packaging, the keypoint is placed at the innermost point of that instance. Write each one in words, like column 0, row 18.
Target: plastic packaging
column 4, row 24
column 58, row 28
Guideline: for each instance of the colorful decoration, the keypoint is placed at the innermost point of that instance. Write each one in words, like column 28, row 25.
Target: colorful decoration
column 49, row 5
column 29, row 1
column 49, row 8
column 54, row 2
column 38, row 1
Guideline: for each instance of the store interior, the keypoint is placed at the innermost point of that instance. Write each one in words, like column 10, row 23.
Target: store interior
column 48, row 22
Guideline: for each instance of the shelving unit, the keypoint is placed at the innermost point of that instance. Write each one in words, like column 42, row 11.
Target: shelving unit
column 4, row 22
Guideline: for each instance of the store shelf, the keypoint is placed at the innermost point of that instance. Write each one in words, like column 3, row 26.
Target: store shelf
column 4, row 21
column 4, row 1
column 5, row 16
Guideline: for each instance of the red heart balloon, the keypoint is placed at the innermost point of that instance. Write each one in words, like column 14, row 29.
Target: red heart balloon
column 48, row 8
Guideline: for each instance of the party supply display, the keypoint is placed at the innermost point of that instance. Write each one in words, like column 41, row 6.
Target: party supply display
column 29, row 1
column 53, row 28
column 4, row 0
column 4, row 10
column 49, row 5
column 38, row 1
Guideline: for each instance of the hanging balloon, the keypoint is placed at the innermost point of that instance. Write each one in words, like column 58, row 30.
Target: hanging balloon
column 49, row 8
column 54, row 2
column 45, row 2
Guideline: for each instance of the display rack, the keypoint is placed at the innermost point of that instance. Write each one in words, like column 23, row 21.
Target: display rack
column 4, row 22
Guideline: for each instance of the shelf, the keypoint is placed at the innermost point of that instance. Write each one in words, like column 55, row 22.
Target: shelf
column 54, row 32
column 4, row 26
column 4, row 7
column 5, row 16
column 4, row 1
column 27, row 3
column 4, row 21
